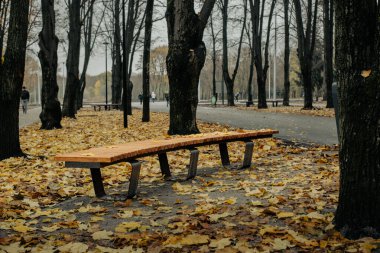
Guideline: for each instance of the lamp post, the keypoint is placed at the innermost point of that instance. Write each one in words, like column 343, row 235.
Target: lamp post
column 106, row 45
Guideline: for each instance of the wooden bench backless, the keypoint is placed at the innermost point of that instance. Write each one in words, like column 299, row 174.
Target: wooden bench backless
column 97, row 158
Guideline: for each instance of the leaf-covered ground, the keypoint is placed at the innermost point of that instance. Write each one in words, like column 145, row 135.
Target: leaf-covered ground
column 284, row 202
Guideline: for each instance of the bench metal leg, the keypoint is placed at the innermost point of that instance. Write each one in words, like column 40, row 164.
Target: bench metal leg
column 248, row 154
column 134, row 179
column 164, row 165
column 223, row 149
column 98, row 182
column 194, row 155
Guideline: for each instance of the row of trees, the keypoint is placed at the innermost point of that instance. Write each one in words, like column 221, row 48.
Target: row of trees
column 357, row 66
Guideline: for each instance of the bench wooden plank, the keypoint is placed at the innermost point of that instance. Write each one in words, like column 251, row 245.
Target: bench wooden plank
column 114, row 153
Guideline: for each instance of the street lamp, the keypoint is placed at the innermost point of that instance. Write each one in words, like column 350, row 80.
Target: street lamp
column 106, row 45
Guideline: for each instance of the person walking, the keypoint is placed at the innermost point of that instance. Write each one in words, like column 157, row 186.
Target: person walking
column 141, row 98
column 153, row 96
column 24, row 99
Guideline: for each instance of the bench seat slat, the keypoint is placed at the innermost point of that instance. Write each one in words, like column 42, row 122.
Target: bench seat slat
column 119, row 152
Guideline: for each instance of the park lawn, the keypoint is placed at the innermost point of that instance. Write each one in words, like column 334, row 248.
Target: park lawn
column 285, row 201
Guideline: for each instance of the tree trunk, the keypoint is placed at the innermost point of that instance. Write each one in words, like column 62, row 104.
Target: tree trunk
column 185, row 60
column 230, row 80
column 11, row 79
column 358, row 74
column 48, row 42
column 286, row 55
column 72, row 62
column 262, row 65
column 130, row 27
column 117, row 70
column 213, row 57
column 328, row 21
column 306, row 44
column 306, row 73
column 146, row 59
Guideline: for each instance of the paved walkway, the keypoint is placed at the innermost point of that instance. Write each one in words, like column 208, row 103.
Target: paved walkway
column 309, row 129
column 301, row 128
column 29, row 118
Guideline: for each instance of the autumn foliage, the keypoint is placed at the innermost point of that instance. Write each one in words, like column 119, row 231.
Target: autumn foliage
column 285, row 201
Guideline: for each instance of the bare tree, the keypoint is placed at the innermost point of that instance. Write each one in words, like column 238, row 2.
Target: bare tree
column 306, row 35
column 185, row 60
column 328, row 23
column 48, row 42
column 11, row 79
column 262, row 65
column 146, row 58
column 230, row 80
column 357, row 55
column 285, row 101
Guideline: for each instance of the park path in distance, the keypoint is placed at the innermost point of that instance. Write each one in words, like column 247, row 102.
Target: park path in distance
column 292, row 127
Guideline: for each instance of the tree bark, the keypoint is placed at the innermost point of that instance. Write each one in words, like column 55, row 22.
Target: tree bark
column 130, row 27
column 48, row 42
column 285, row 101
column 11, row 79
column 213, row 57
column 146, row 59
column 185, row 60
column 117, row 71
column 358, row 74
column 328, row 21
column 72, row 62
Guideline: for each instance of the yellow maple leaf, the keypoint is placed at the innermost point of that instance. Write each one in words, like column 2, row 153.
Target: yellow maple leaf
column 50, row 229
column 22, row 228
column 220, row 244
column 127, row 227
column 102, row 235
column 279, row 244
column 194, row 239
column 316, row 215
column 366, row 73
column 73, row 247
column 282, row 215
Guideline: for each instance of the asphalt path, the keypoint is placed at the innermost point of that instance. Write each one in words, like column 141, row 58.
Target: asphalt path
column 30, row 117
column 293, row 127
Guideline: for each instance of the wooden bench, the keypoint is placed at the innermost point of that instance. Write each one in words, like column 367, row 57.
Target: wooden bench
column 97, row 158
column 106, row 107
column 274, row 102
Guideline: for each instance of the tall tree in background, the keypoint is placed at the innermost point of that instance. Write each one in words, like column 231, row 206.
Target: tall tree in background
column 262, row 65
column 4, row 7
column 72, row 62
column 48, row 42
column 90, row 34
column 230, row 80
column 116, row 69
column 357, row 56
column 146, row 58
column 129, row 30
column 328, row 23
column 306, row 36
column 11, row 79
column 285, row 101
column 185, row 60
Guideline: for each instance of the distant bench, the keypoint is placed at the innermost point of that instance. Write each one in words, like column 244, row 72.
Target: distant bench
column 274, row 102
column 107, row 107
column 97, row 158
